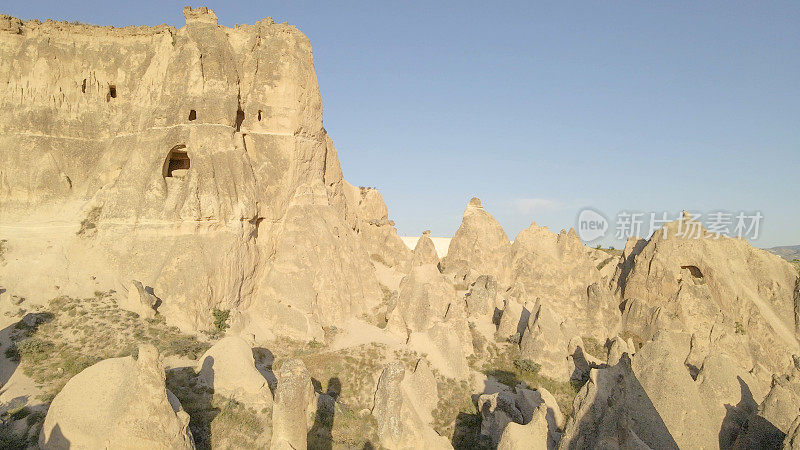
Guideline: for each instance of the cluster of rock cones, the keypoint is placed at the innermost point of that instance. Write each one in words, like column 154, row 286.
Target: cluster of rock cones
column 195, row 161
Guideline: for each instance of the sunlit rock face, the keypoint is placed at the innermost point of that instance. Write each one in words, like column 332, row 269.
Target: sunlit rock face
column 192, row 159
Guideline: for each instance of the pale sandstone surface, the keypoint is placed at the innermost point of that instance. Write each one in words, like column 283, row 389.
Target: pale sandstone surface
column 118, row 403
column 733, row 298
column 400, row 424
column 479, row 246
column 229, row 369
column 294, row 408
column 260, row 223
column 188, row 169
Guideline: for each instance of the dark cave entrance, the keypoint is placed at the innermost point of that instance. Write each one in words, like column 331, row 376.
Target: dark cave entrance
column 177, row 159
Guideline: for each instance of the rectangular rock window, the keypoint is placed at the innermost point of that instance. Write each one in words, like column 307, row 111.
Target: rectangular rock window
column 192, row 115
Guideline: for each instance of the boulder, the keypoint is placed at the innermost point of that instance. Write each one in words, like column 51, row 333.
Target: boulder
column 792, row 441
column 773, row 421
column 375, row 230
column 651, row 401
column 616, row 348
column 529, row 400
column 445, row 349
column 731, row 395
column 497, row 411
column 423, row 300
column 140, row 300
column 117, row 403
column 532, row 436
column 513, row 321
column 229, row 369
column 294, row 408
column 554, row 343
column 420, row 387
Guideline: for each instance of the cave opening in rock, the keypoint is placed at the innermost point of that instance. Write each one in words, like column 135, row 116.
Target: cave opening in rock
column 83, row 86
column 112, row 92
column 694, row 270
column 259, row 115
column 239, row 119
column 192, row 114
column 177, row 160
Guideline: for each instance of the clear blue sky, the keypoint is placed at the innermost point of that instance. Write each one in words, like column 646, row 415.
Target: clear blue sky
column 542, row 109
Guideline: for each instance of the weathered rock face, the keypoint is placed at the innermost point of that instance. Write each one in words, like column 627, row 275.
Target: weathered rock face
column 482, row 296
column 402, row 410
column 423, row 300
column 375, row 229
column 559, row 270
column 479, row 246
column 553, row 342
column 513, row 321
column 140, row 300
column 294, row 408
column 532, row 436
column 773, row 423
column 424, row 251
column 192, row 159
column 732, row 297
column 651, row 401
column 117, row 403
column 497, row 411
column 522, row 418
column 229, row 369
column 730, row 394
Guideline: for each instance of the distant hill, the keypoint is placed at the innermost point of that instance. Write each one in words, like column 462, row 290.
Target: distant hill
column 787, row 252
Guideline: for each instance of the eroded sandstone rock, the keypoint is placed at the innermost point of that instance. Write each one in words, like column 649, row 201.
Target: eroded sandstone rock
column 229, row 369
column 479, row 247
column 140, row 301
column 117, row 403
column 396, row 409
column 734, row 298
column 294, row 408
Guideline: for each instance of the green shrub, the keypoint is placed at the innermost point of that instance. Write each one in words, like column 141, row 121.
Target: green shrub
column 221, row 317
column 526, row 365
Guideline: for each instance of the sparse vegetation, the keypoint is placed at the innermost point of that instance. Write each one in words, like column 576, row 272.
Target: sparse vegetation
column 739, row 327
column 526, row 365
column 72, row 334
column 360, row 365
column 593, row 347
column 605, row 263
column 217, row 421
column 221, row 317
column 502, row 364
column 457, row 416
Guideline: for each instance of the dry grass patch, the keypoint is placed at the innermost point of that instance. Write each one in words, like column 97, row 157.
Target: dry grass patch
column 72, row 334
column 347, row 378
column 217, row 421
column 506, row 365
